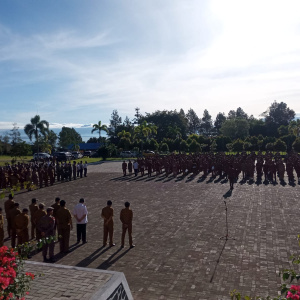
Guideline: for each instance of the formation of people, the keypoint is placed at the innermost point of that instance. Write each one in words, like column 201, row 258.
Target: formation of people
column 268, row 166
column 40, row 173
column 57, row 220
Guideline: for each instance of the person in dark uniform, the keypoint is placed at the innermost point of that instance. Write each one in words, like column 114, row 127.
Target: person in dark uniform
column 21, row 223
column 64, row 225
column 74, row 170
column 1, row 228
column 56, row 207
column 108, row 228
column 12, row 214
column 46, row 227
column 36, row 218
column 8, row 205
column 124, row 168
column 33, row 207
column 126, row 217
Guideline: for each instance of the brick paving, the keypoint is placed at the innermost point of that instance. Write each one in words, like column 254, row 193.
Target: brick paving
column 176, row 229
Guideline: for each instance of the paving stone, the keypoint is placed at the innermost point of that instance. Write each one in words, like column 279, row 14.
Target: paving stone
column 177, row 228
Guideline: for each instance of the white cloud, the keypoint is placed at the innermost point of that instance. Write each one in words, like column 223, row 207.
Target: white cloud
column 183, row 54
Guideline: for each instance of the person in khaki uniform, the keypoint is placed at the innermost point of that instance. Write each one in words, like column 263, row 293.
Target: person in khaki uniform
column 21, row 223
column 33, row 207
column 56, row 207
column 8, row 205
column 1, row 228
column 36, row 218
column 12, row 214
column 64, row 226
column 126, row 217
column 108, row 229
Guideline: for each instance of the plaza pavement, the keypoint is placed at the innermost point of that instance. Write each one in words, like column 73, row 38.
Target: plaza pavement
column 177, row 228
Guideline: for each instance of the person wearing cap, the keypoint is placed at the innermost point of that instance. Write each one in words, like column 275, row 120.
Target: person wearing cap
column 21, row 223
column 64, row 226
column 47, row 228
column 80, row 213
column 33, row 207
column 36, row 218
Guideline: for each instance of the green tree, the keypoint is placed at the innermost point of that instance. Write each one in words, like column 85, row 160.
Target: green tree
column 283, row 130
column 280, row 145
column 184, row 146
column 20, row 149
column 296, row 145
column 194, row 146
column 257, row 127
column 238, row 145
column 143, row 132
column 99, row 127
column 289, row 140
column 164, row 147
column 235, row 128
column 114, row 123
column 125, row 139
column 277, row 114
column 220, row 119
column 206, row 123
column 15, row 135
column 193, row 121
column 36, row 127
column 294, row 127
column 170, row 124
column 68, row 136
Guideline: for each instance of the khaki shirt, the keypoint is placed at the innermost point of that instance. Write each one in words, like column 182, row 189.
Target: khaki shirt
column 38, row 215
column 108, row 212
column 21, row 221
column 56, row 207
column 33, row 208
column 8, row 205
column 12, row 214
column 126, row 216
column 63, row 218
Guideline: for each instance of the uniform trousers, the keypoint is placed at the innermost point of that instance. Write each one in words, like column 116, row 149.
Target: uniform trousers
column 23, row 236
column 32, row 229
column 47, row 246
column 108, row 230
column 64, row 238
column 124, row 229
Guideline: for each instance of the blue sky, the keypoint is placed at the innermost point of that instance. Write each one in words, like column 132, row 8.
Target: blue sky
column 74, row 62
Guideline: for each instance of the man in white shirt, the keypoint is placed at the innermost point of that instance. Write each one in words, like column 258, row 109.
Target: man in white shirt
column 135, row 167
column 80, row 213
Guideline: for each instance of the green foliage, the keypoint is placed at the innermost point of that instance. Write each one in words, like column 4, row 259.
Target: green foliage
column 99, row 127
column 184, row 146
column 296, row 144
column 194, row 146
column 238, row 145
column 68, row 136
column 235, row 128
column 280, row 145
column 164, row 147
column 20, row 149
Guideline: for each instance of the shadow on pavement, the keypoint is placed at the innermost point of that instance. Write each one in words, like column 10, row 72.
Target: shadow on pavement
column 106, row 264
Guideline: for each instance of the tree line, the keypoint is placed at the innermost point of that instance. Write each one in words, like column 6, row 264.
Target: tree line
column 276, row 129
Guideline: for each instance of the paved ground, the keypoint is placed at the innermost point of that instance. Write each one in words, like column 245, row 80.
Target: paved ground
column 177, row 226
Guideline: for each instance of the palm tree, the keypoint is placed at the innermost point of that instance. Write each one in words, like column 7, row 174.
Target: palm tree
column 143, row 131
column 98, row 127
column 124, row 134
column 35, row 127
